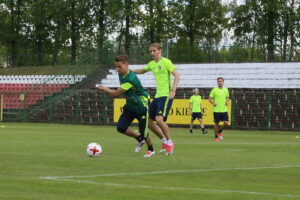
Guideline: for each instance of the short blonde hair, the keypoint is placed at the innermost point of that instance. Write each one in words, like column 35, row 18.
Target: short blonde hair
column 156, row 45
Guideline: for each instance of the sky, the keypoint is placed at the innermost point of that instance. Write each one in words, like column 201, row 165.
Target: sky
column 229, row 1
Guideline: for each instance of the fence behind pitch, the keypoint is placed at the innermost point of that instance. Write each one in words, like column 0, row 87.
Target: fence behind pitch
column 263, row 109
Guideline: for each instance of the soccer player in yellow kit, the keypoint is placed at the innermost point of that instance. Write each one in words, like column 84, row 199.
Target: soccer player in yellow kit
column 219, row 98
column 162, row 69
column 196, row 110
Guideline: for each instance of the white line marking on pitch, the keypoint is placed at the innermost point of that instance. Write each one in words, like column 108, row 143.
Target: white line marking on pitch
column 168, row 172
column 180, row 188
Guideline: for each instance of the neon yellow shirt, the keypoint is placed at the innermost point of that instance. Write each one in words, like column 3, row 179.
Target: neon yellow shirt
column 219, row 96
column 162, row 73
column 196, row 103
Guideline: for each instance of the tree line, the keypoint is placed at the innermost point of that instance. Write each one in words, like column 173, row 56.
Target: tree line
column 43, row 32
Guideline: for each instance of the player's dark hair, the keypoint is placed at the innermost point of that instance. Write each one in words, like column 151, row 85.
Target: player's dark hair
column 220, row 78
column 121, row 58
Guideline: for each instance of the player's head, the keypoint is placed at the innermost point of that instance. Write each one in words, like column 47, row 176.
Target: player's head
column 155, row 51
column 220, row 81
column 196, row 91
column 121, row 63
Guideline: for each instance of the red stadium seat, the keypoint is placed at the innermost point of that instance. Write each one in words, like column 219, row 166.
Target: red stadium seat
column 32, row 87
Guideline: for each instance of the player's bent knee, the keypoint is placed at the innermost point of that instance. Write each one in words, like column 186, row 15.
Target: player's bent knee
column 121, row 129
column 159, row 119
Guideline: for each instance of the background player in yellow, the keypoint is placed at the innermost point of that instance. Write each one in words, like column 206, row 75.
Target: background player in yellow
column 219, row 98
column 162, row 69
column 196, row 110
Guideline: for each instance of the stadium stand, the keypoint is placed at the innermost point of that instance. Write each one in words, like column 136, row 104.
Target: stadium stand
column 22, row 91
column 236, row 75
column 264, row 96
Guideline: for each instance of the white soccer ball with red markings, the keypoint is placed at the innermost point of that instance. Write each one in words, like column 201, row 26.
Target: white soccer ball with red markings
column 94, row 149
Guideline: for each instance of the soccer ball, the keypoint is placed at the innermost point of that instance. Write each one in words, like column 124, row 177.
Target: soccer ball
column 94, row 149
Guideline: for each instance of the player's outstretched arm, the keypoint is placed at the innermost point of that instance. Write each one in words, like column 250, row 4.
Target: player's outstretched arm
column 139, row 71
column 175, row 84
column 114, row 93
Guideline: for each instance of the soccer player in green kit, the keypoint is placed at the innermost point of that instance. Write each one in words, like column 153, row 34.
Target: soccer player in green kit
column 162, row 69
column 136, row 106
column 219, row 98
column 196, row 110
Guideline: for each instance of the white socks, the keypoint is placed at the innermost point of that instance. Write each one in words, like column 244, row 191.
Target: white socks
column 170, row 142
column 164, row 140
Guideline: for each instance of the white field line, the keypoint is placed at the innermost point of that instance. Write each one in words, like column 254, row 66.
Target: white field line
column 180, row 188
column 169, row 172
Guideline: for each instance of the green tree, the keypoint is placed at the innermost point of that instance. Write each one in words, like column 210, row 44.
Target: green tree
column 271, row 16
column 245, row 23
column 78, row 22
column 294, row 26
column 189, row 21
column 58, row 34
column 268, row 26
column 39, row 17
column 201, row 21
column 213, row 26
column 11, row 23
column 127, row 25
column 101, row 20
column 156, row 20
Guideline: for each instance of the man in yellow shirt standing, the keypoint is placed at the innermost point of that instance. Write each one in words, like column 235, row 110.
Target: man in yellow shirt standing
column 163, row 70
column 196, row 110
column 219, row 98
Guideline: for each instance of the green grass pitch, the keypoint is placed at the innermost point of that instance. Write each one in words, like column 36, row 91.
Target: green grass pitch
column 48, row 161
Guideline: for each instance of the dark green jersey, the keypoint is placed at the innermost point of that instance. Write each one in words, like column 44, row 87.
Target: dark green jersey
column 136, row 97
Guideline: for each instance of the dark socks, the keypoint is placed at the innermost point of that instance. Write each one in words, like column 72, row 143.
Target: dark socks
column 139, row 138
column 150, row 148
